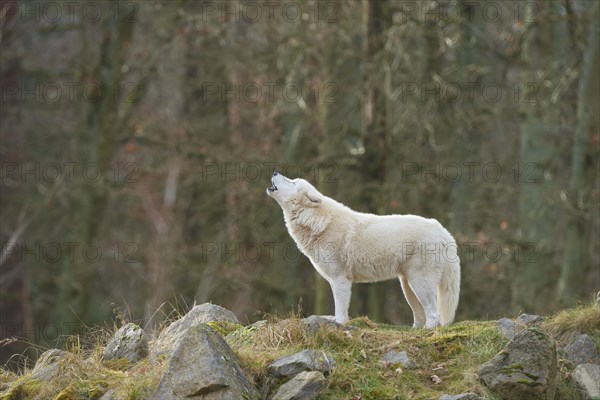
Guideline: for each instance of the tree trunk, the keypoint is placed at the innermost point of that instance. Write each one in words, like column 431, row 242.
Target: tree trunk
column 377, row 20
column 96, row 147
column 537, row 272
column 575, row 262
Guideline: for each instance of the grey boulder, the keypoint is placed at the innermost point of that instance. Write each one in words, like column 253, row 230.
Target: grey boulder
column 525, row 369
column 305, row 360
column 316, row 322
column 110, row 395
column 203, row 366
column 581, row 351
column 530, row 319
column 587, row 376
column 305, row 386
column 130, row 342
column 49, row 364
column 200, row 314
column 508, row 328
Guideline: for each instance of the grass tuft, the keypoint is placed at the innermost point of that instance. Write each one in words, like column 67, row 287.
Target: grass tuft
column 567, row 324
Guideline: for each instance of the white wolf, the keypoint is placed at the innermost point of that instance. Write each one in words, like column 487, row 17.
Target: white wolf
column 346, row 246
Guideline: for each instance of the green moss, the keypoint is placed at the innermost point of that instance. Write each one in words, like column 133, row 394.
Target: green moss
column 93, row 389
column 223, row 327
column 531, row 376
column 22, row 388
column 68, row 394
column 244, row 333
column 529, row 383
column 512, row 369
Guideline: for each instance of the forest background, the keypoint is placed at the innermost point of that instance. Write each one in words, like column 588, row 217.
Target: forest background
column 138, row 137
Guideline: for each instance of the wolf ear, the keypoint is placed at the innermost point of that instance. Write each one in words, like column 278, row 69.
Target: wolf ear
column 312, row 199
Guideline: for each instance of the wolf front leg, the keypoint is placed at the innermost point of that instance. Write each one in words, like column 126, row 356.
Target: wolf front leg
column 341, row 288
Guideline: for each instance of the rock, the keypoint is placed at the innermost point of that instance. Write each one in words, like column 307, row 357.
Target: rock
column 200, row 314
column 525, row 370
column 316, row 322
column 50, row 357
column 49, row 364
column 581, row 350
column 306, row 360
column 305, row 386
column 129, row 342
column 508, row 328
column 462, row 396
column 530, row 319
column 587, row 377
column 257, row 325
column 110, row 395
column 203, row 366
column 393, row 358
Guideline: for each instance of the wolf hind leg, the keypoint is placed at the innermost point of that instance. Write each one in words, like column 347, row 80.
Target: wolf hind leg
column 425, row 288
column 414, row 303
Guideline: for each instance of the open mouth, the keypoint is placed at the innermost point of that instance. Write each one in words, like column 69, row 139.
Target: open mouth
column 273, row 188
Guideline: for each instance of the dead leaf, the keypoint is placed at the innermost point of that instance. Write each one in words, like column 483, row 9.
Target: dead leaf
column 435, row 379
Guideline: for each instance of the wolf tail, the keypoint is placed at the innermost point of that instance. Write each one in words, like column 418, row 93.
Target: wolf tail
column 449, row 291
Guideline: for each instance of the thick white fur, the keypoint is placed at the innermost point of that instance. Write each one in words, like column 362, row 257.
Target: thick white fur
column 346, row 246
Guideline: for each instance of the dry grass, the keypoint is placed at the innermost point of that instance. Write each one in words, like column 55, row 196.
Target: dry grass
column 451, row 354
column 567, row 324
column 85, row 376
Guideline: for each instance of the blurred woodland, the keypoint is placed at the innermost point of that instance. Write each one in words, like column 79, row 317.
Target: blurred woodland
column 138, row 137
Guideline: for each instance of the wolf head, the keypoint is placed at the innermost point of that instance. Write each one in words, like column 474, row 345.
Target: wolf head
column 292, row 193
